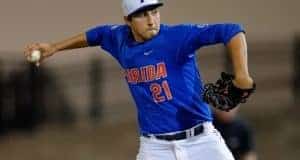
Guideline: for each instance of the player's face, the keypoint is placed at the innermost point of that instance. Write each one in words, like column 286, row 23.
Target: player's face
column 145, row 25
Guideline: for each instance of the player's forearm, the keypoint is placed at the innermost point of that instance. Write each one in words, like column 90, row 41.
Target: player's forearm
column 238, row 53
column 78, row 41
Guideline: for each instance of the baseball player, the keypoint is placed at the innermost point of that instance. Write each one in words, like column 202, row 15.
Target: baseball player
column 172, row 103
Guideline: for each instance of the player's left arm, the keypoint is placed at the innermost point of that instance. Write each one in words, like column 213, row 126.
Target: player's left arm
column 237, row 47
column 230, row 90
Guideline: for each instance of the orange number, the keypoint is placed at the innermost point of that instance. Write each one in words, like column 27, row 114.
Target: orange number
column 156, row 90
column 167, row 90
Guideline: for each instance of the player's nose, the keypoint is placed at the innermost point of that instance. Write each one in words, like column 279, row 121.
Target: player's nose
column 150, row 19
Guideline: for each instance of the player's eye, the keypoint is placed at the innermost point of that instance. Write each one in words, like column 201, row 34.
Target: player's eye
column 154, row 11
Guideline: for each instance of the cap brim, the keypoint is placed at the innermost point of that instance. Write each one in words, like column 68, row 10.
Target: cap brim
column 146, row 7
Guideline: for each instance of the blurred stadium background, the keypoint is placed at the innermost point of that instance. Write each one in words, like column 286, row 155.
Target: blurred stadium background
column 76, row 106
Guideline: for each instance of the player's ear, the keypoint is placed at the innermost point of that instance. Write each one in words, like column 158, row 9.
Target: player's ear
column 128, row 20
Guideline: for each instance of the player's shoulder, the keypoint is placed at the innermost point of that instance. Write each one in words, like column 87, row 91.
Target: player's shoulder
column 110, row 29
column 183, row 26
column 118, row 31
column 117, row 28
column 175, row 26
column 173, row 29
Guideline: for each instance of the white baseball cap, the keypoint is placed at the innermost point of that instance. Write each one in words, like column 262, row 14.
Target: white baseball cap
column 131, row 6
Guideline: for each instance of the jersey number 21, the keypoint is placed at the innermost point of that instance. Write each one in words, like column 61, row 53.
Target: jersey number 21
column 158, row 89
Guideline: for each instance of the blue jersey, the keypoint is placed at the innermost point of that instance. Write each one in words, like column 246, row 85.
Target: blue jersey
column 162, row 72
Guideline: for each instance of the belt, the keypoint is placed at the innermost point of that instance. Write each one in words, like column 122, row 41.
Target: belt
column 179, row 135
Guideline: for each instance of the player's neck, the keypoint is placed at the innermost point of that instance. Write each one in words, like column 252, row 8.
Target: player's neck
column 138, row 38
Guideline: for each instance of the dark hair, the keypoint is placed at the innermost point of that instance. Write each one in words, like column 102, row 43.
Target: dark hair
column 143, row 9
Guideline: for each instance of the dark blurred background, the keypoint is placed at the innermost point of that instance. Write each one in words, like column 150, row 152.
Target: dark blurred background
column 77, row 106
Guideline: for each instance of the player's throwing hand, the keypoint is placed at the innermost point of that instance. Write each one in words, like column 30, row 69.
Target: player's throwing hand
column 37, row 52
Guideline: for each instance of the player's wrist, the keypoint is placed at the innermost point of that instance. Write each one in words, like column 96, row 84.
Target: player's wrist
column 243, row 82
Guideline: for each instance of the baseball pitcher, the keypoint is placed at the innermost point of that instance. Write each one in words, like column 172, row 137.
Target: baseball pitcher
column 175, row 121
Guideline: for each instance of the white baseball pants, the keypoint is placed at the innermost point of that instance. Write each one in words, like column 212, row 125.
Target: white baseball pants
column 206, row 146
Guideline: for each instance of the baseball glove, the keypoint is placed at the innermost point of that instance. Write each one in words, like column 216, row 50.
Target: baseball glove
column 224, row 95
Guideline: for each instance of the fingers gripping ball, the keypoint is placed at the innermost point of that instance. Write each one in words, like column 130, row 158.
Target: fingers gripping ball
column 224, row 95
column 35, row 56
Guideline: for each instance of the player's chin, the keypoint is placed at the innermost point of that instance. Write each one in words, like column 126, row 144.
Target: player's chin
column 151, row 33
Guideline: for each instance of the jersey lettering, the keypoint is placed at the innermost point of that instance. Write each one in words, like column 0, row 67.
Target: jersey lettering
column 147, row 73
column 150, row 73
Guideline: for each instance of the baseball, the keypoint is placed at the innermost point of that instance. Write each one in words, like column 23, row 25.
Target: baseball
column 35, row 56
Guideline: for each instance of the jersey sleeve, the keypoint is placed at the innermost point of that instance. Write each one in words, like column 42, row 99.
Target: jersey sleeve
column 199, row 35
column 104, row 36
